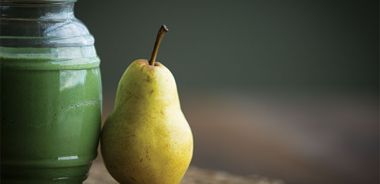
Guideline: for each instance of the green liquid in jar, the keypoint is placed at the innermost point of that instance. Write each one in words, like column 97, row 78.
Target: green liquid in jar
column 50, row 113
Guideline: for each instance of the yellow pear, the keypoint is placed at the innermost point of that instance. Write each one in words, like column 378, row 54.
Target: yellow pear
column 146, row 139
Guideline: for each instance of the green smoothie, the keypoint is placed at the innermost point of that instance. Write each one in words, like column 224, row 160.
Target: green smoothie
column 50, row 113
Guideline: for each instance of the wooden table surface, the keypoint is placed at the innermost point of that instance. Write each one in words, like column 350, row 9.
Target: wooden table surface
column 99, row 175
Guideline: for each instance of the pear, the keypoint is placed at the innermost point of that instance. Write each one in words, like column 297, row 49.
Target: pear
column 146, row 139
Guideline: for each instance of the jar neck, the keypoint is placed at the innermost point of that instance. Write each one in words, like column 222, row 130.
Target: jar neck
column 36, row 11
column 41, row 23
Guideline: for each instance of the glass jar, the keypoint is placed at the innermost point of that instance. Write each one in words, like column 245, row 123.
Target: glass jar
column 50, row 90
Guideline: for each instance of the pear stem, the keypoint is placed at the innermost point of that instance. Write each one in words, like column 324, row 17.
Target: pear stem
column 160, row 36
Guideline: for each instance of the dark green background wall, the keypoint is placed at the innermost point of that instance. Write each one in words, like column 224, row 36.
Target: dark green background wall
column 242, row 45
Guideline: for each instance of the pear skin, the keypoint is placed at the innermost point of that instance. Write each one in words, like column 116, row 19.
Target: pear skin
column 146, row 139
